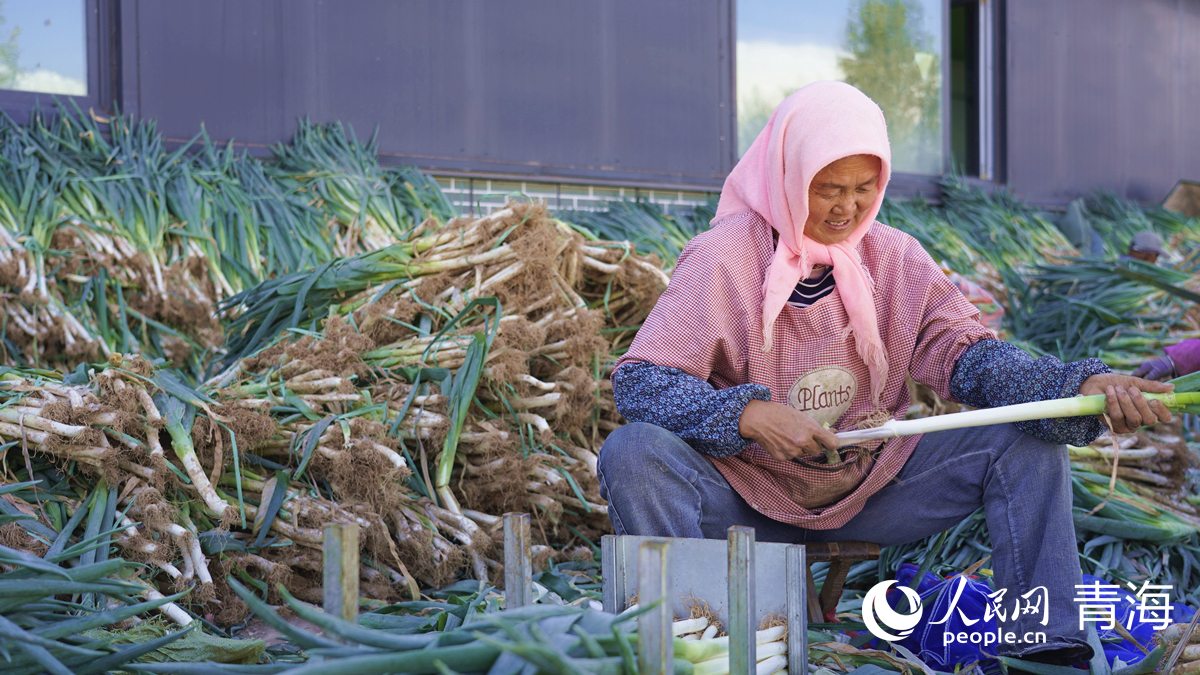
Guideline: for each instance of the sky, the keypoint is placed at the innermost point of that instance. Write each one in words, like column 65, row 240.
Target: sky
column 820, row 22
column 53, row 43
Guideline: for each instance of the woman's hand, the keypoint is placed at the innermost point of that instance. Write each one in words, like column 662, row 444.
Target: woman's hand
column 1127, row 408
column 783, row 431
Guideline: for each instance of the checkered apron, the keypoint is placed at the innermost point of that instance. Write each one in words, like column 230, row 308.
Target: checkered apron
column 708, row 323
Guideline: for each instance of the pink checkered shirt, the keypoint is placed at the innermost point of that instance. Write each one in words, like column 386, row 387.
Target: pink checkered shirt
column 708, row 324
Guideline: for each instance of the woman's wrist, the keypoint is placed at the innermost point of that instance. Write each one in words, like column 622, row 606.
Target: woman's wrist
column 747, row 423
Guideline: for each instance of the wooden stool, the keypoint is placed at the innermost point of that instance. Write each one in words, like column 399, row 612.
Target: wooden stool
column 839, row 555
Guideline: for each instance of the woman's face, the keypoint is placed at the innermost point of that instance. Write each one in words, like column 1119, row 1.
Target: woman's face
column 839, row 196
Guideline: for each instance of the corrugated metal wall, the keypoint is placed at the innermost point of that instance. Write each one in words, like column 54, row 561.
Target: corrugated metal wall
column 620, row 90
column 1102, row 94
column 1095, row 93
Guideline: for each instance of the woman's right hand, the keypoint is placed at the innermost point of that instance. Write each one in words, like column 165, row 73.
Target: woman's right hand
column 783, row 431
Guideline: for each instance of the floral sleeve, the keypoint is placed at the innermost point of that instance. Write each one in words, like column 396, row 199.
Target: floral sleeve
column 992, row 373
column 691, row 408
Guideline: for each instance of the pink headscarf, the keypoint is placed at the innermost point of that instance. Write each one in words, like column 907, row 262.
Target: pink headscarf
column 818, row 124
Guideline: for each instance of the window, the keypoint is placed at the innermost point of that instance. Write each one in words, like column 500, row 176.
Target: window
column 964, row 86
column 43, row 46
column 890, row 49
column 973, row 87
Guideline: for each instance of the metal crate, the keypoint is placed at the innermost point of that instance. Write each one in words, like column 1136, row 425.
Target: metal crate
column 741, row 581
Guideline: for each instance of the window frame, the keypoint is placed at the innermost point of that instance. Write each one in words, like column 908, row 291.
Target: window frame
column 100, row 33
column 992, row 133
column 923, row 185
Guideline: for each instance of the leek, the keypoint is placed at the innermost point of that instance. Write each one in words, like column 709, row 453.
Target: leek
column 1064, row 407
column 179, row 417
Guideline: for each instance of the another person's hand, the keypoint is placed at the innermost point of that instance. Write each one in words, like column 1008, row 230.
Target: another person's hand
column 1161, row 368
column 1127, row 408
column 783, row 431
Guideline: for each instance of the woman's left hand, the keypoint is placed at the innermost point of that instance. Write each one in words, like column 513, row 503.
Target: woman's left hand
column 1127, row 408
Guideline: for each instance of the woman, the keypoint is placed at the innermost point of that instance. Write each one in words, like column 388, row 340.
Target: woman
column 797, row 315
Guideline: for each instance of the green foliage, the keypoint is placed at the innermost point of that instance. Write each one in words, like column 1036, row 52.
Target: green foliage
column 1078, row 309
column 459, row 635
column 752, row 116
column 105, row 223
column 998, row 226
column 1117, row 219
column 893, row 60
column 643, row 223
column 47, row 612
column 928, row 225
column 329, row 161
column 10, row 53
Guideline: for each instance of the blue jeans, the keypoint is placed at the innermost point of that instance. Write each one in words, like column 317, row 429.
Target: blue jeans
column 657, row 485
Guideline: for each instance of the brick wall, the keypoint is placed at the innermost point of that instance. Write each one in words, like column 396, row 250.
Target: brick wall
column 480, row 196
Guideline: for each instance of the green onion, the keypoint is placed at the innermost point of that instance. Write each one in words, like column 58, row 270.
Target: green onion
column 178, row 417
column 1063, row 407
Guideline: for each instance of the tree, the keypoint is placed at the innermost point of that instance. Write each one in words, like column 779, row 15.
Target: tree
column 10, row 52
column 753, row 117
column 891, row 60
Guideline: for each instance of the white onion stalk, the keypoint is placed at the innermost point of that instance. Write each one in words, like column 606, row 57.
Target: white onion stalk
column 172, row 610
column 189, row 565
column 714, row 652
column 774, row 664
column 770, row 656
column 1063, row 407
column 1090, row 451
column 32, row 421
column 688, row 626
column 537, row 421
column 766, row 664
column 761, row 637
column 189, row 549
column 181, row 438
column 171, row 570
column 487, row 520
